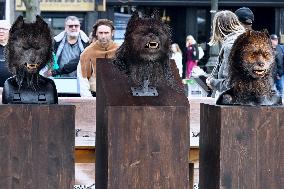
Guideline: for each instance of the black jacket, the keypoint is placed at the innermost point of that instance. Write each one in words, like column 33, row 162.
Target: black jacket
column 4, row 71
column 72, row 65
column 279, row 55
column 195, row 54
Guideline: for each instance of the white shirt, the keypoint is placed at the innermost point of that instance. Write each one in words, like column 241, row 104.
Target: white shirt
column 177, row 57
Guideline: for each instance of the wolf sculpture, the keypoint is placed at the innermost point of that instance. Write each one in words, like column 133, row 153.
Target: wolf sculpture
column 28, row 50
column 144, row 54
column 251, row 64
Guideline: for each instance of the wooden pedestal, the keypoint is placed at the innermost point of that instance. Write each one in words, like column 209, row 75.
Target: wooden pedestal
column 241, row 147
column 37, row 143
column 141, row 142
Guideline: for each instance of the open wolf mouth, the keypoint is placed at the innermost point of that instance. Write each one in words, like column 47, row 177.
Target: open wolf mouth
column 152, row 45
column 259, row 72
column 31, row 66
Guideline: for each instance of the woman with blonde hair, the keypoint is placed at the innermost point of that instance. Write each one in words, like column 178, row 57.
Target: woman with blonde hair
column 192, row 55
column 177, row 57
column 226, row 28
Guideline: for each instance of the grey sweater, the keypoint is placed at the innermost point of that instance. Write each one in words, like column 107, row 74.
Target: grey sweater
column 220, row 80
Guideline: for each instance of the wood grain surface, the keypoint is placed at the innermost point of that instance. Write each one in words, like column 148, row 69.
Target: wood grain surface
column 241, row 147
column 141, row 142
column 37, row 146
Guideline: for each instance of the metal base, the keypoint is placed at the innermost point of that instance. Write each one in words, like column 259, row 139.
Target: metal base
column 139, row 91
column 144, row 90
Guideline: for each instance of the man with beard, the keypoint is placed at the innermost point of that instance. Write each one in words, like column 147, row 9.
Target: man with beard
column 103, row 47
column 69, row 44
column 4, row 34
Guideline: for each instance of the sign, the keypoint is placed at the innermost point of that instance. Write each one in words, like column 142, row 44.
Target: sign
column 120, row 23
column 60, row 5
column 101, row 5
column 272, row 3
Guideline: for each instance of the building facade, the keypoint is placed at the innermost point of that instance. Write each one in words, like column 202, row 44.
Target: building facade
column 2, row 9
column 193, row 17
column 184, row 16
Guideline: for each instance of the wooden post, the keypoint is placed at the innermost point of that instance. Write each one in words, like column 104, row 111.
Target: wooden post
column 191, row 175
column 241, row 147
column 141, row 142
column 37, row 146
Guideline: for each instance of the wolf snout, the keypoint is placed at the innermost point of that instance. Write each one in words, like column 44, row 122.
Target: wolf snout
column 152, row 45
column 31, row 66
column 261, row 64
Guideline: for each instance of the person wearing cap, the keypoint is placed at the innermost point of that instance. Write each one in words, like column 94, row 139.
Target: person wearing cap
column 4, row 35
column 102, row 47
column 246, row 17
column 279, row 67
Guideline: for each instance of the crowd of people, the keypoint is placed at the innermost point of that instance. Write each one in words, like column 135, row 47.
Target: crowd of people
column 75, row 52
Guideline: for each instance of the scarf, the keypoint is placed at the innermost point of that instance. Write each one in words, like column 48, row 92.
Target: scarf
column 91, row 53
column 63, row 42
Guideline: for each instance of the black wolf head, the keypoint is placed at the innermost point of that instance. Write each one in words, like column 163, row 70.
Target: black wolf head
column 29, row 47
column 147, row 39
column 145, row 52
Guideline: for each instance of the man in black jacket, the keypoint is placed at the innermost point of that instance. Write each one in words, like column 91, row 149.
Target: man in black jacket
column 279, row 55
column 68, row 47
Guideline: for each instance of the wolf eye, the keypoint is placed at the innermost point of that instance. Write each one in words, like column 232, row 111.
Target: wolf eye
column 26, row 47
column 156, row 33
column 265, row 54
column 144, row 32
column 36, row 47
column 253, row 56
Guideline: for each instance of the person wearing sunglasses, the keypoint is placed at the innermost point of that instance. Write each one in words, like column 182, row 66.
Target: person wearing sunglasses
column 69, row 45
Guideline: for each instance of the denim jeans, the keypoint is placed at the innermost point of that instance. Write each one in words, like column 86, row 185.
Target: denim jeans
column 279, row 85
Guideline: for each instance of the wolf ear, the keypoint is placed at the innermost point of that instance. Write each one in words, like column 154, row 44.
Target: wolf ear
column 133, row 19
column 135, row 15
column 40, row 21
column 44, row 28
column 265, row 31
column 18, row 24
column 249, row 32
column 156, row 15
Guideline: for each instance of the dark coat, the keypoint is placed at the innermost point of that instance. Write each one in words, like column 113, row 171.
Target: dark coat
column 72, row 65
column 4, row 71
column 195, row 53
column 279, row 55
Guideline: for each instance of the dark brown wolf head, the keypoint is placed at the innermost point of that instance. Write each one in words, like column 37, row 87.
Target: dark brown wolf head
column 29, row 47
column 251, row 63
column 252, row 55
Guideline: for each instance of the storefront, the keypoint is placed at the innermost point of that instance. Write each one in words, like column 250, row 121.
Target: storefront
column 2, row 9
column 193, row 17
column 183, row 16
column 55, row 12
